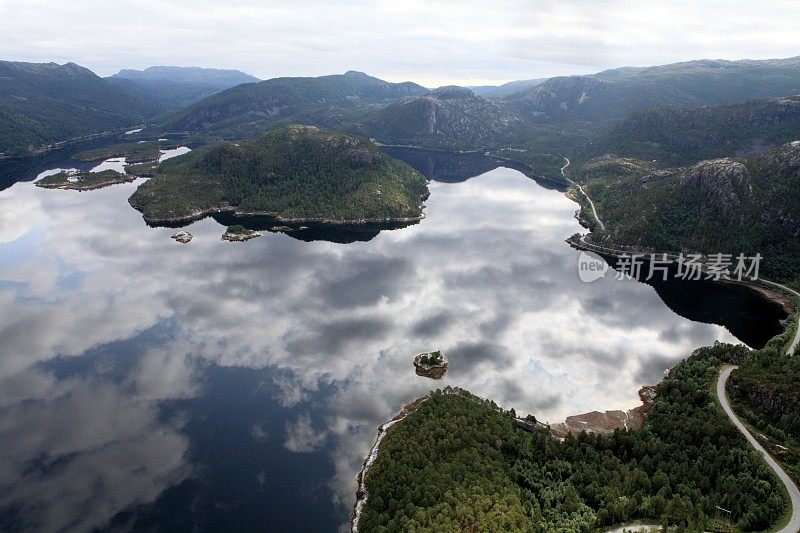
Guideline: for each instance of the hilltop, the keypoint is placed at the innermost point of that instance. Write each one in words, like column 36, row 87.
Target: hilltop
column 446, row 117
column 326, row 101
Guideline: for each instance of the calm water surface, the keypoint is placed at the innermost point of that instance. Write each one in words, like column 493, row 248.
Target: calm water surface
column 238, row 385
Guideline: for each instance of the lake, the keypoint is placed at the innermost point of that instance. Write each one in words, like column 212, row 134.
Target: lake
column 220, row 385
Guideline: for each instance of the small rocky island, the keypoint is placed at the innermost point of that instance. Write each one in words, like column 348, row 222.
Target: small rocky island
column 183, row 237
column 239, row 233
column 295, row 174
column 431, row 364
column 82, row 180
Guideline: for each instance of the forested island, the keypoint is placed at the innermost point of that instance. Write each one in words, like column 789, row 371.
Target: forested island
column 460, row 463
column 294, row 174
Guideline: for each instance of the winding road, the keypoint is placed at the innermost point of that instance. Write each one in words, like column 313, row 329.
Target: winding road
column 793, row 525
column 796, row 340
column 794, row 494
column 591, row 203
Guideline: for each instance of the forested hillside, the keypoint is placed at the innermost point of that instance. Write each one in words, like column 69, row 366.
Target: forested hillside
column 327, row 101
column 615, row 94
column 449, row 117
column 43, row 103
column 719, row 206
column 679, row 136
column 296, row 172
column 460, row 464
column 764, row 391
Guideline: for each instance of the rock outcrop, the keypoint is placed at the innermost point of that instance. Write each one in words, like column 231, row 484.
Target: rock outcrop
column 239, row 234
column 725, row 184
column 183, row 237
column 431, row 364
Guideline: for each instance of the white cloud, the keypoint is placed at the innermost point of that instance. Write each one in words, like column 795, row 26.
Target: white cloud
column 302, row 437
column 465, row 42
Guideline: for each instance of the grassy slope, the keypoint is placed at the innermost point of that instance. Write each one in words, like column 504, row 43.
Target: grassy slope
column 293, row 172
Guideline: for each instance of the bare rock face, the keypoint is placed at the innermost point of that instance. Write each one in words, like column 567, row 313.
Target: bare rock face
column 724, row 184
column 183, row 237
column 431, row 364
column 608, row 421
column 791, row 162
column 364, row 158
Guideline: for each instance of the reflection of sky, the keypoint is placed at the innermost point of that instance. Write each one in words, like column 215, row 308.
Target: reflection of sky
column 486, row 277
column 117, row 164
column 173, row 152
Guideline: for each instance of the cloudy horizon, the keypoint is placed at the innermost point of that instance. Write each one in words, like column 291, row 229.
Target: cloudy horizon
column 472, row 42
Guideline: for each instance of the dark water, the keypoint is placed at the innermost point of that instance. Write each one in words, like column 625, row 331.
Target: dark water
column 222, row 385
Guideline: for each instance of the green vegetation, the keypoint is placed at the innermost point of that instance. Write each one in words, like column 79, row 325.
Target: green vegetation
column 615, row 94
column 679, row 136
column 296, row 172
column 147, row 169
column 764, row 392
column 133, row 152
column 326, row 101
column 729, row 206
column 459, row 463
column 45, row 103
column 449, row 117
column 84, row 180
column 431, row 358
column 238, row 229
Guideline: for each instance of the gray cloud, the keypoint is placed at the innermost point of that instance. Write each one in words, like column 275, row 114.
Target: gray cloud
column 498, row 294
column 467, row 42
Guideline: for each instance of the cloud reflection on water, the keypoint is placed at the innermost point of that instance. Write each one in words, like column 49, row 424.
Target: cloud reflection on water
column 486, row 278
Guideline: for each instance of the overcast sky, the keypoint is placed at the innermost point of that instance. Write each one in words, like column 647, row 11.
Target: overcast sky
column 464, row 42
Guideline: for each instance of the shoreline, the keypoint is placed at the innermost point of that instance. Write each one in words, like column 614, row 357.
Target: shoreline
column 199, row 215
column 361, row 493
column 768, row 292
column 76, row 186
column 636, row 416
column 41, row 150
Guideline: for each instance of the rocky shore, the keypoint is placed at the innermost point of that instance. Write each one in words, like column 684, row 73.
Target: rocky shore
column 608, row 421
column 175, row 221
column 361, row 493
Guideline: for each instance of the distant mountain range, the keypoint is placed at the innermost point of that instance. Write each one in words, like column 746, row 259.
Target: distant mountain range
column 615, row 94
column 679, row 113
column 328, row 101
column 498, row 91
column 172, row 88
